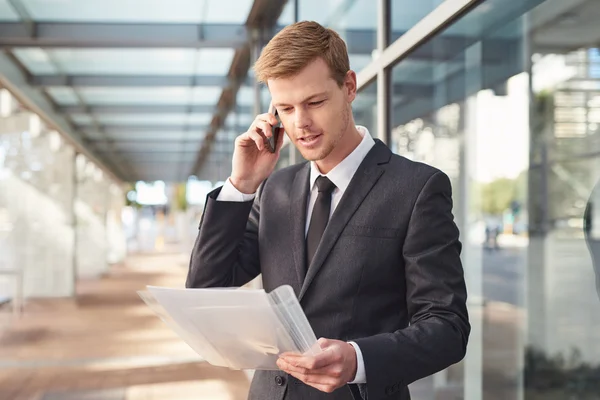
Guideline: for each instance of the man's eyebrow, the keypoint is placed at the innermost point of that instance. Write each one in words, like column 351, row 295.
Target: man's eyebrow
column 303, row 101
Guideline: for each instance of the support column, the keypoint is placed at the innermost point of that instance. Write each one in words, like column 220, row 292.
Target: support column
column 383, row 75
column 472, row 252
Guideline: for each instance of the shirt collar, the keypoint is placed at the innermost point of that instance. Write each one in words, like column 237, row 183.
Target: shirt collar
column 342, row 173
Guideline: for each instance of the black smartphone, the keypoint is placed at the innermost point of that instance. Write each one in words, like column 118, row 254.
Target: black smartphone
column 275, row 130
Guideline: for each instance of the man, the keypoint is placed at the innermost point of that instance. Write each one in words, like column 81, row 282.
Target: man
column 366, row 238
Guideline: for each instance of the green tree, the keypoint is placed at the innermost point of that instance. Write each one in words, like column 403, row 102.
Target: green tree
column 497, row 195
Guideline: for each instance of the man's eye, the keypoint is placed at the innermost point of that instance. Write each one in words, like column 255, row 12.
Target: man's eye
column 315, row 103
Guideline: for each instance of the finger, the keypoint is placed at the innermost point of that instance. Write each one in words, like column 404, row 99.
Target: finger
column 326, row 357
column 313, row 380
column 321, row 344
column 258, row 139
column 333, row 370
column 326, row 388
column 268, row 118
column 264, row 127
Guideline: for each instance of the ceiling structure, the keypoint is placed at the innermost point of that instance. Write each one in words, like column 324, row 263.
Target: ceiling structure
column 142, row 85
column 158, row 90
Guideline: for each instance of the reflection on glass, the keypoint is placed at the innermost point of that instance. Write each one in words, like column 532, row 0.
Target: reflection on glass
column 141, row 11
column 131, row 61
column 146, row 96
column 406, row 13
column 7, row 13
column 506, row 101
column 364, row 108
column 53, row 207
column 355, row 21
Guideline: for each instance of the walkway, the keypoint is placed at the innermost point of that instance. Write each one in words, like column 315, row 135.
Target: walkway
column 107, row 345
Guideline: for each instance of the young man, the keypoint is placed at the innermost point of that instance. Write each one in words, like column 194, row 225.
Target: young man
column 366, row 238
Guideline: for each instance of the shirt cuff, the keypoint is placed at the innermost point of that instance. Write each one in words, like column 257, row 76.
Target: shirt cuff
column 230, row 193
column 361, row 374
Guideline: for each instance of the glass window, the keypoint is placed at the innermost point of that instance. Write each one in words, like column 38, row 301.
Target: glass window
column 36, row 60
column 81, row 119
column 142, row 136
column 233, row 12
column 506, row 102
column 213, row 61
column 405, row 14
column 185, row 62
column 140, row 11
column 355, row 21
column 287, row 14
column 146, row 119
column 7, row 13
column 150, row 96
column 63, row 95
column 125, row 61
column 364, row 108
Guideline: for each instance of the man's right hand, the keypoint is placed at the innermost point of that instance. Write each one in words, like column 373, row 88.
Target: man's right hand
column 252, row 161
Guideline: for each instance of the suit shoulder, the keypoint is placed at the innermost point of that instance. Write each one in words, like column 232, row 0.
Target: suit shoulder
column 416, row 168
column 284, row 176
column 286, row 172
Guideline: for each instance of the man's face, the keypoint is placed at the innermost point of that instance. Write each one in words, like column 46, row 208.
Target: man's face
column 314, row 110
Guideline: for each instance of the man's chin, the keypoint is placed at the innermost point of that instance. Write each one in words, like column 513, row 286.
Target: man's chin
column 317, row 154
column 312, row 155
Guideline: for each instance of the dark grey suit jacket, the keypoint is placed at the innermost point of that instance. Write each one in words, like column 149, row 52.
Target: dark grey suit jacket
column 386, row 275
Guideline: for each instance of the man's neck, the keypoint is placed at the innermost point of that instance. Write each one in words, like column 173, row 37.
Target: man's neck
column 347, row 145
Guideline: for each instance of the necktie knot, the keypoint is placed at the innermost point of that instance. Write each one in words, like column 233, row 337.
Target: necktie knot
column 325, row 185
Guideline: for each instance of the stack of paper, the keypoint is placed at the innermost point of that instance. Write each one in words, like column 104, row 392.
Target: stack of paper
column 235, row 328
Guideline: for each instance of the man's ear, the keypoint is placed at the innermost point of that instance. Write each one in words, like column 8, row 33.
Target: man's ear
column 350, row 85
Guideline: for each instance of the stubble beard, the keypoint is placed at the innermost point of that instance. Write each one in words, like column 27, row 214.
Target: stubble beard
column 330, row 146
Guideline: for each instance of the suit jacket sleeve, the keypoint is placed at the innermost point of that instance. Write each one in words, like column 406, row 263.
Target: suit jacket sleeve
column 436, row 300
column 226, row 249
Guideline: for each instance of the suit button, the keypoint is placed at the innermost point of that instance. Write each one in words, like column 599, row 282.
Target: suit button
column 279, row 380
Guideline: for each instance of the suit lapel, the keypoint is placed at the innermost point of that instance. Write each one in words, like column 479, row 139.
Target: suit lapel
column 298, row 205
column 361, row 184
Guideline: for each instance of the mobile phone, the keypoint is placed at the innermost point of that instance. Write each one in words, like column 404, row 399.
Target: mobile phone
column 275, row 130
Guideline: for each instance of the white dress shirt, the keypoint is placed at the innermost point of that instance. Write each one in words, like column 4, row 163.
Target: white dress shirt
column 340, row 175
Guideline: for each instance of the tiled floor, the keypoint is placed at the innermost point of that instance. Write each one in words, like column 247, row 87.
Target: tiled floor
column 106, row 344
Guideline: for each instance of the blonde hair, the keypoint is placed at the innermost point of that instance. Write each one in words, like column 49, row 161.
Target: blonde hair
column 296, row 46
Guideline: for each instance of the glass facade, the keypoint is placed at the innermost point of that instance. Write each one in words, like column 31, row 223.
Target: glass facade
column 404, row 14
column 59, row 213
column 505, row 100
column 364, row 108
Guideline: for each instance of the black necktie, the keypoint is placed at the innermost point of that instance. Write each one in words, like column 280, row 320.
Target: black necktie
column 319, row 218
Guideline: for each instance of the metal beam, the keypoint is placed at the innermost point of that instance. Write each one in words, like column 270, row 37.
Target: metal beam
column 153, row 152
column 122, row 35
column 129, row 80
column 146, row 109
column 124, row 129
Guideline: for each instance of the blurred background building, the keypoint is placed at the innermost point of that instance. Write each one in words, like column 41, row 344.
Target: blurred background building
column 117, row 117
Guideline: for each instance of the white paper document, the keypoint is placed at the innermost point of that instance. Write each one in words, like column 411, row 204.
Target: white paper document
column 236, row 328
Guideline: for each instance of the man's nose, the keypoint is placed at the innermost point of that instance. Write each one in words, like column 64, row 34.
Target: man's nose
column 301, row 119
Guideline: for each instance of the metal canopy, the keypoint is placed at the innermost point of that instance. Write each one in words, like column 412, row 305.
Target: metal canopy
column 159, row 90
column 142, row 86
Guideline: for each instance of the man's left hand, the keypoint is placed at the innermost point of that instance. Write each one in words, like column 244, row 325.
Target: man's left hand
column 333, row 368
